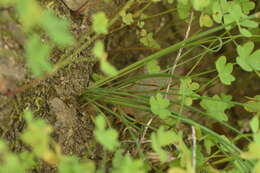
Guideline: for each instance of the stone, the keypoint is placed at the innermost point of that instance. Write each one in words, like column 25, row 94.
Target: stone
column 74, row 5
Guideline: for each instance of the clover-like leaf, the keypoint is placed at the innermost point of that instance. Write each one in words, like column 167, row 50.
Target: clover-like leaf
column 186, row 91
column 219, row 8
column 159, row 106
column 217, row 105
column 224, row 70
column 247, row 60
column 246, row 5
column 108, row 138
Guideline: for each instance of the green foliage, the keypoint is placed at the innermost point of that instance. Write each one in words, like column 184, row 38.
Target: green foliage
column 254, row 124
column 99, row 52
column 186, row 91
column 200, row 4
column 224, row 70
column 100, row 23
column 71, row 164
column 205, row 20
column 148, row 40
column 183, row 8
column 14, row 163
column 253, row 105
column 108, row 138
column 208, row 144
column 36, row 135
column 32, row 16
column 159, row 106
column 153, row 67
column 29, row 12
column 217, row 105
column 247, row 59
column 246, row 5
column 232, row 12
column 57, row 29
column 37, row 54
column 127, row 18
column 161, row 139
column 125, row 164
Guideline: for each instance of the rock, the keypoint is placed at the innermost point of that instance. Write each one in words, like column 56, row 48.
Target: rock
column 74, row 5
column 72, row 135
column 10, row 71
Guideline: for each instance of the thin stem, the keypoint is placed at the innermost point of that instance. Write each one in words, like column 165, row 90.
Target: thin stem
column 179, row 53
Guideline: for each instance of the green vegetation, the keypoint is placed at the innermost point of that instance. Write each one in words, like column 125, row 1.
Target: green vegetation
column 148, row 116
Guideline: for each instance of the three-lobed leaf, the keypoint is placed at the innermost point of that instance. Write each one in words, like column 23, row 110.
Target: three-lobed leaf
column 224, row 70
column 247, row 59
